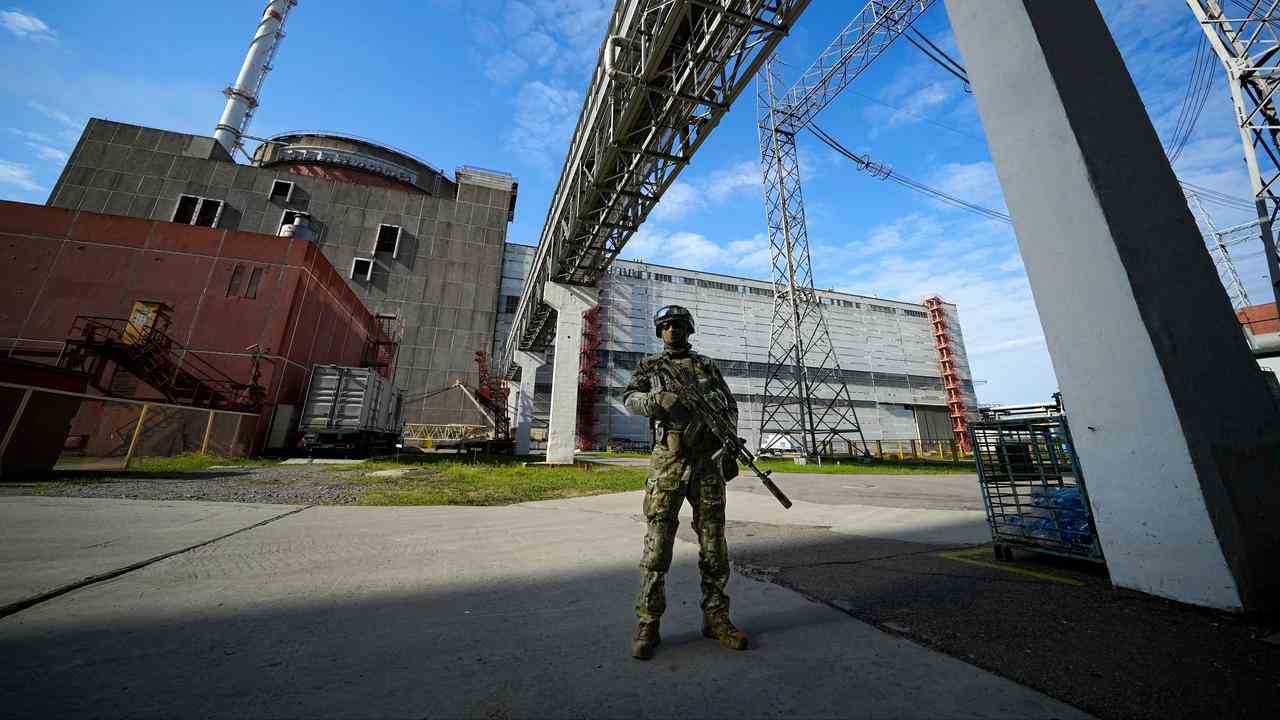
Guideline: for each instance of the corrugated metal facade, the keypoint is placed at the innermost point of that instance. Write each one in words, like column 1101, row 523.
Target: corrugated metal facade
column 886, row 348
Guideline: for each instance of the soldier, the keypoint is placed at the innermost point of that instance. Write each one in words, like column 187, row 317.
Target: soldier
column 681, row 467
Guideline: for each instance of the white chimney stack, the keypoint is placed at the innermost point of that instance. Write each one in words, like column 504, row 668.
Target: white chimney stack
column 242, row 97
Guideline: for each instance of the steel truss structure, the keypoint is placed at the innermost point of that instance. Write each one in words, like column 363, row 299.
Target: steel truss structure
column 805, row 396
column 667, row 72
column 1217, row 243
column 1247, row 42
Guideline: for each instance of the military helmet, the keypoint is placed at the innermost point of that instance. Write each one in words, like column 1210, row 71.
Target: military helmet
column 671, row 313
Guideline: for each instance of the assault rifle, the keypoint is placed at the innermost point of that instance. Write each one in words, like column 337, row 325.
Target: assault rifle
column 711, row 411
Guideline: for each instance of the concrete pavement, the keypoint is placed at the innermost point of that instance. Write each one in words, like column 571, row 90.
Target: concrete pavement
column 446, row 612
column 747, row 501
column 49, row 542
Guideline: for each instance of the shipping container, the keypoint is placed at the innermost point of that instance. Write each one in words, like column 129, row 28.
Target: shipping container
column 349, row 409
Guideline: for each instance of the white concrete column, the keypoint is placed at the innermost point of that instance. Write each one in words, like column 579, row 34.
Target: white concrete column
column 570, row 302
column 522, row 397
column 1174, row 426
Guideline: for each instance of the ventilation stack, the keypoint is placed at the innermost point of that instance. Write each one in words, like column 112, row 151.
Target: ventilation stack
column 242, row 97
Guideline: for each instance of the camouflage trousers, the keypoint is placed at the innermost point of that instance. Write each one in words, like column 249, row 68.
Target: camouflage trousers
column 674, row 478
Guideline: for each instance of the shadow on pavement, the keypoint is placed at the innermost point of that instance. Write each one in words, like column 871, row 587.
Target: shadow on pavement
column 519, row 647
column 1054, row 624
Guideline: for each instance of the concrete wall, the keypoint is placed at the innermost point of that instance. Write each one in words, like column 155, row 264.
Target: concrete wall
column 1175, row 428
column 62, row 264
column 885, row 347
column 443, row 282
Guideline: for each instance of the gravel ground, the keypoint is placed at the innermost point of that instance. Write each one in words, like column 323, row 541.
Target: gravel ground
column 285, row 484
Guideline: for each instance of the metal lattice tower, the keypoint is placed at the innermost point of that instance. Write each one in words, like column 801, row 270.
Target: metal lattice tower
column 1217, row 243
column 805, row 395
column 1247, row 41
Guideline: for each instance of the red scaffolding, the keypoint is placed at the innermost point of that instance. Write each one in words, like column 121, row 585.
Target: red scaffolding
column 589, row 379
column 492, row 391
column 950, row 378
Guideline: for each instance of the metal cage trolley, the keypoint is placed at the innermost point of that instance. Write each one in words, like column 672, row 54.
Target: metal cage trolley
column 1032, row 487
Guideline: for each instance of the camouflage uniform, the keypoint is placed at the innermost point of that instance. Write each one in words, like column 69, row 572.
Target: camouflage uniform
column 681, row 468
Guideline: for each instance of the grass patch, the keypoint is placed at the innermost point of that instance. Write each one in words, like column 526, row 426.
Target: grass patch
column 493, row 480
column 190, row 461
column 876, row 467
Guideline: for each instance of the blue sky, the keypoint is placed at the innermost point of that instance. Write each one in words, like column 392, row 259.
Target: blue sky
column 499, row 83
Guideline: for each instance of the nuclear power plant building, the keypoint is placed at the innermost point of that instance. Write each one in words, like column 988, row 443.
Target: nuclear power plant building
column 887, row 350
column 417, row 247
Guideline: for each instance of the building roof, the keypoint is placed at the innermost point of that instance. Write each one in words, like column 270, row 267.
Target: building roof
column 761, row 283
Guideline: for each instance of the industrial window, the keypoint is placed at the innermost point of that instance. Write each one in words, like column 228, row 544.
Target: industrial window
column 255, row 277
column 388, row 240
column 193, row 210
column 915, row 313
column 760, row 291
column 237, row 281
column 662, row 277
column 291, row 217
column 361, row 268
column 237, row 277
column 513, row 304
column 714, row 285
column 883, row 309
column 281, row 191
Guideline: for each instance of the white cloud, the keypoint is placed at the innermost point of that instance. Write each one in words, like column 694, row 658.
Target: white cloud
column 694, row 251
column 974, row 182
column 545, row 117
column 53, row 114
column 742, row 176
column 678, row 202
column 19, row 176
column 920, row 102
column 45, row 152
column 31, row 136
column 25, row 26
column 752, row 256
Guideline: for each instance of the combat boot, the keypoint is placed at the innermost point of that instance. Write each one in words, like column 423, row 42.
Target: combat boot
column 717, row 626
column 645, row 639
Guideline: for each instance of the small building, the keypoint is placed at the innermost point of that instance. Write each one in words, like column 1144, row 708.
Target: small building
column 221, row 310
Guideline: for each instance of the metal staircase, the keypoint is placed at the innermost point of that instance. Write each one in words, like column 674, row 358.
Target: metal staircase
column 96, row 344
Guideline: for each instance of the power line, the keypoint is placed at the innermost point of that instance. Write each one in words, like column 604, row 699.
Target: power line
column 1219, row 197
column 917, row 116
column 952, row 61
column 886, row 173
column 1194, row 99
column 945, row 61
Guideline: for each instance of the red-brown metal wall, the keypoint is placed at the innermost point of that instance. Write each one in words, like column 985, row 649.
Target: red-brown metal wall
column 57, row 264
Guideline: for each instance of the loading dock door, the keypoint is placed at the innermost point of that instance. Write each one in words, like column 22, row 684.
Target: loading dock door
column 933, row 423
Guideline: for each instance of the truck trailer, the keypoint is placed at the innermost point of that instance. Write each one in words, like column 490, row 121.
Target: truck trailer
column 352, row 410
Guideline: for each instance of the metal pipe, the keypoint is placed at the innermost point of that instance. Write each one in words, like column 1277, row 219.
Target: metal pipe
column 242, row 97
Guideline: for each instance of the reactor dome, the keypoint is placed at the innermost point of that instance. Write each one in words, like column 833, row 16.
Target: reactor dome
column 348, row 159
